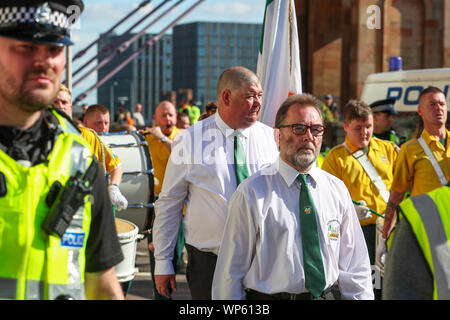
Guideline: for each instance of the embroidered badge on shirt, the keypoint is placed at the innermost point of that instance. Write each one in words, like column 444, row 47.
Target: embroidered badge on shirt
column 333, row 230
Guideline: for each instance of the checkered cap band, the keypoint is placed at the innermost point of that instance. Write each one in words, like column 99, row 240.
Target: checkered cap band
column 14, row 15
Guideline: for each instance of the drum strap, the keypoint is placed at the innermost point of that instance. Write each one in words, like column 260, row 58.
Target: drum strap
column 433, row 161
column 370, row 171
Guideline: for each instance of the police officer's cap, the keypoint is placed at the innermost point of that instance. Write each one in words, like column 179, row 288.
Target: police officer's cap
column 386, row 105
column 43, row 22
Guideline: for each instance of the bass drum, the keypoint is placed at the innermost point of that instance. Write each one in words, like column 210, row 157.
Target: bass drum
column 137, row 184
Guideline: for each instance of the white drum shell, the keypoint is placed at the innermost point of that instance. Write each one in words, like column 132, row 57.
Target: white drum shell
column 135, row 184
column 125, row 270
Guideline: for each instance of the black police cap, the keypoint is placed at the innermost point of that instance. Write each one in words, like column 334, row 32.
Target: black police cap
column 385, row 105
column 43, row 22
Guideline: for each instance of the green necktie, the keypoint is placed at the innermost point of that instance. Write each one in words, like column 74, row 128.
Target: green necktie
column 240, row 163
column 312, row 258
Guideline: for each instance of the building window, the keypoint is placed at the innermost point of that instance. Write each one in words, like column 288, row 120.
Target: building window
column 201, row 51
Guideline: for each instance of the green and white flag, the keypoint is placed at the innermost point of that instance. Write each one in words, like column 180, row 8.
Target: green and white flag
column 279, row 57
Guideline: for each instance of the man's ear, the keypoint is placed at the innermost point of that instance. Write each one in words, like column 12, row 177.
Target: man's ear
column 345, row 126
column 276, row 135
column 419, row 110
column 226, row 96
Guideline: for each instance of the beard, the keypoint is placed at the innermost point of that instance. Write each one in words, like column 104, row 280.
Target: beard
column 29, row 100
column 303, row 157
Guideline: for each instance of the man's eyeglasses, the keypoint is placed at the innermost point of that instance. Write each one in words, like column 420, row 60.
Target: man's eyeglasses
column 301, row 128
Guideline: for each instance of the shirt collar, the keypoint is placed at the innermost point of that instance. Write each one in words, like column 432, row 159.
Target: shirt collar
column 290, row 174
column 174, row 132
column 226, row 130
column 429, row 137
column 372, row 145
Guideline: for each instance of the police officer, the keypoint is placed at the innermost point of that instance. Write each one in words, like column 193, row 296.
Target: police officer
column 420, row 240
column 55, row 241
column 383, row 112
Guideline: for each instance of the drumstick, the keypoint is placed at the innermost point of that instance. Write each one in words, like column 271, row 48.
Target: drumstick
column 374, row 212
column 162, row 128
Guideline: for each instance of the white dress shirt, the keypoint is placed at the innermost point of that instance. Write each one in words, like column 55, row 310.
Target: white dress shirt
column 138, row 119
column 262, row 249
column 201, row 170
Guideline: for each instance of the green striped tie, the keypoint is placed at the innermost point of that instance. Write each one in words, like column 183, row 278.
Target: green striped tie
column 240, row 163
column 312, row 257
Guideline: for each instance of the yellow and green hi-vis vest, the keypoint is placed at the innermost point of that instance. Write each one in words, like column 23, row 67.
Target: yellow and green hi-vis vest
column 33, row 264
column 429, row 217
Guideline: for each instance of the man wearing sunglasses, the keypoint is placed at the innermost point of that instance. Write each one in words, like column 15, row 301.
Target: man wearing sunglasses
column 292, row 231
column 365, row 164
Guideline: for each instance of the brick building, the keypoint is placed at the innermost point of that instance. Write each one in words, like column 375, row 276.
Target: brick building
column 342, row 41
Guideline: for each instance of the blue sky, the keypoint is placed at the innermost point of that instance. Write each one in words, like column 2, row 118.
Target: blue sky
column 100, row 15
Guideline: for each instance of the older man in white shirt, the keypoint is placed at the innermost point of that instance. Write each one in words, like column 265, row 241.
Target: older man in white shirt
column 262, row 255
column 201, row 169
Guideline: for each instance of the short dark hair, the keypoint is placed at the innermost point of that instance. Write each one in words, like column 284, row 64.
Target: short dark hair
column 304, row 100
column 233, row 77
column 210, row 106
column 356, row 109
column 429, row 90
column 182, row 115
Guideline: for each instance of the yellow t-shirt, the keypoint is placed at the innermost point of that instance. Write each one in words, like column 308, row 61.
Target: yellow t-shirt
column 160, row 155
column 108, row 160
column 415, row 171
column 340, row 163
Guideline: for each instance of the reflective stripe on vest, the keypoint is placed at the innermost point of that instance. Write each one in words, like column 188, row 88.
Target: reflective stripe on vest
column 393, row 137
column 429, row 228
column 41, row 266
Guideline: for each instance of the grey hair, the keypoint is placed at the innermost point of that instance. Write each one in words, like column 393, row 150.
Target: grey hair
column 304, row 100
column 233, row 78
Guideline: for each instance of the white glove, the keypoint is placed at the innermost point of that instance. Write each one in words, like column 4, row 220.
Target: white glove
column 381, row 250
column 362, row 210
column 117, row 198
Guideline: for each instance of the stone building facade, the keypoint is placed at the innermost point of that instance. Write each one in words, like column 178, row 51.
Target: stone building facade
column 342, row 41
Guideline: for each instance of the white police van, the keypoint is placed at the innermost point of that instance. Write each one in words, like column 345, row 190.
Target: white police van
column 404, row 86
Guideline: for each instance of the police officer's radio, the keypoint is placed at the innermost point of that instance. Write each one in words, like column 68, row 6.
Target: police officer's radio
column 65, row 201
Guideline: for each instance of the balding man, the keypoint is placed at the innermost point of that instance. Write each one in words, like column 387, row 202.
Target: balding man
column 138, row 118
column 208, row 161
column 160, row 138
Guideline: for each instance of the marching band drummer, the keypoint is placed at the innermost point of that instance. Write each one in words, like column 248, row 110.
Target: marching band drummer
column 96, row 118
column 160, row 138
column 365, row 164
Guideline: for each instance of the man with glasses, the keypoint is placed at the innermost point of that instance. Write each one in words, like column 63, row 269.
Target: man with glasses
column 366, row 165
column 292, row 231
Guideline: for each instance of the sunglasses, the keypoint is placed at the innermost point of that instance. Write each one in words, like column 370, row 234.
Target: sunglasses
column 301, row 128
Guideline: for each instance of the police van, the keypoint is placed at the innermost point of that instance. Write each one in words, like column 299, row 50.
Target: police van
column 404, row 86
